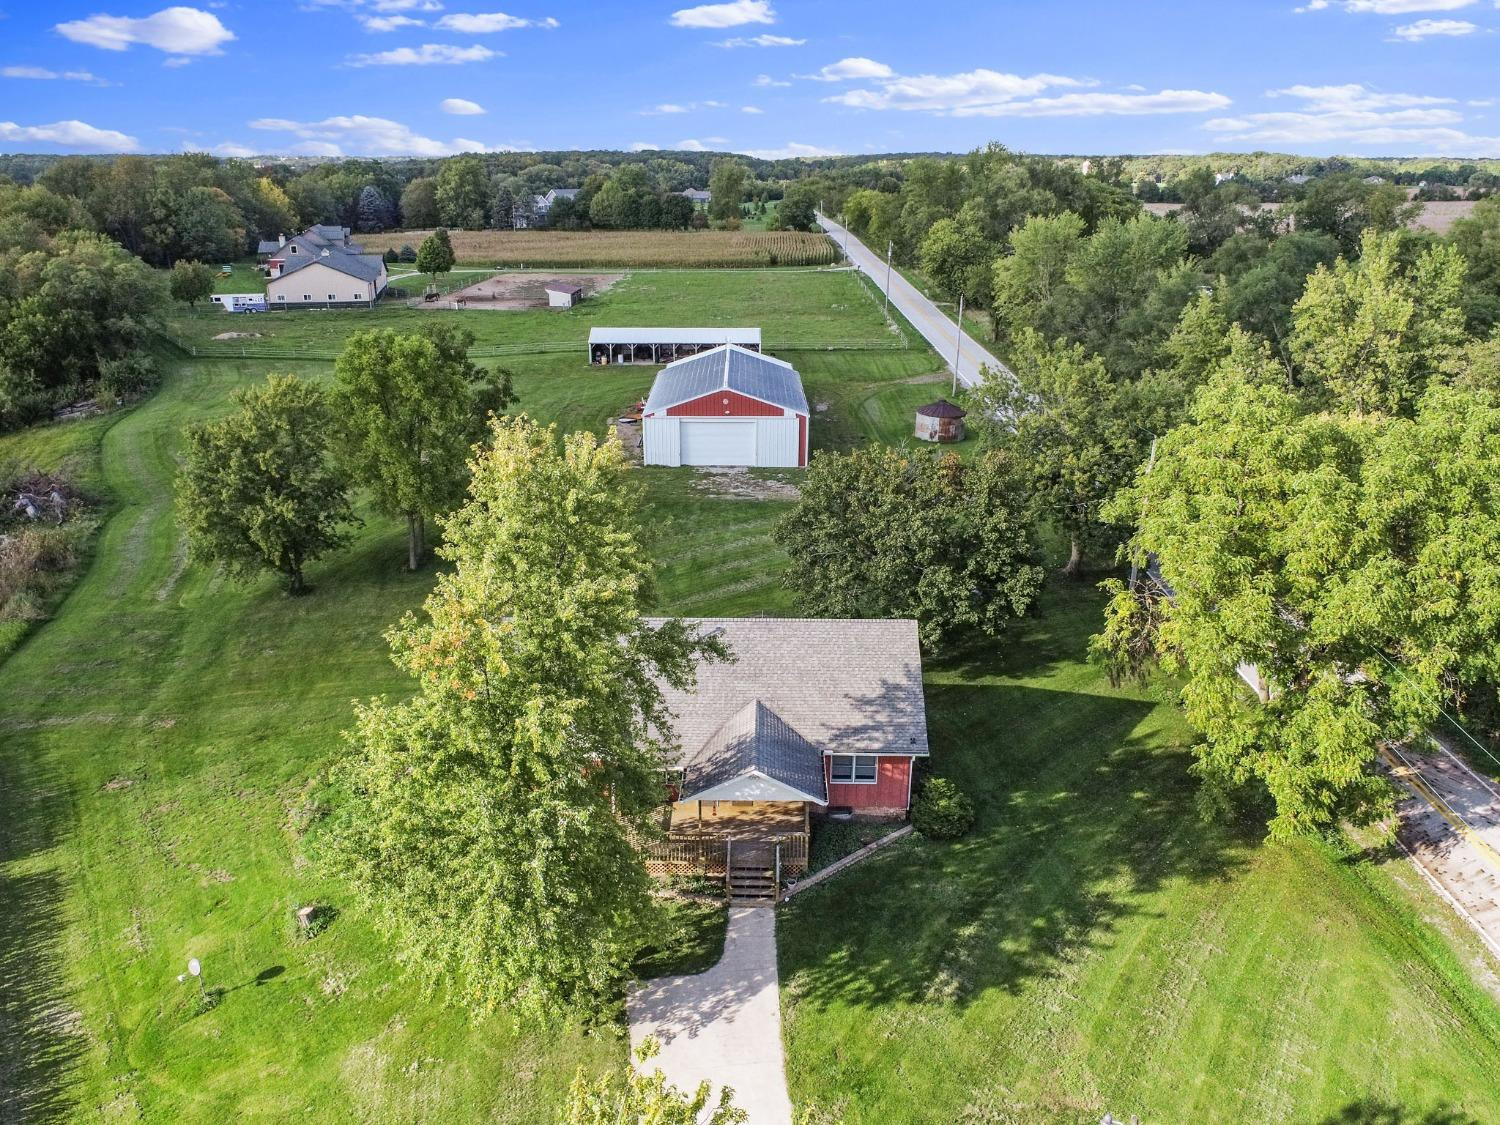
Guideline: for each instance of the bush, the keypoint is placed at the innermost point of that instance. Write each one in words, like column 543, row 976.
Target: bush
column 391, row 256
column 408, row 254
column 129, row 375
column 942, row 810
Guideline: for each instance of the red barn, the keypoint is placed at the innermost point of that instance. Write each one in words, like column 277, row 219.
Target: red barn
column 727, row 406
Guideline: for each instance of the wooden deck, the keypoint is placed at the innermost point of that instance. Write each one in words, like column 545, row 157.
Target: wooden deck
column 702, row 841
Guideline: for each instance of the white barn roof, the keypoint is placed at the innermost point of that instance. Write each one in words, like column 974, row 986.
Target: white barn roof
column 731, row 368
column 742, row 336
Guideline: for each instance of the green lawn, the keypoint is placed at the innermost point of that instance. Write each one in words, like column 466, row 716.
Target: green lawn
column 160, row 733
column 794, row 308
column 1094, row 947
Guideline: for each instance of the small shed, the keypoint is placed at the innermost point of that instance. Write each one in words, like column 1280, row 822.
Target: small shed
column 562, row 294
column 940, row 421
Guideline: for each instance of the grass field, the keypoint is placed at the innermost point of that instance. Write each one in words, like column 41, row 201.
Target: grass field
column 794, row 308
column 1092, row 945
column 696, row 249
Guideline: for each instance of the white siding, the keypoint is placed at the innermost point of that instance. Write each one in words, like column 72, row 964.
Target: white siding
column 708, row 441
column 661, row 442
column 776, row 442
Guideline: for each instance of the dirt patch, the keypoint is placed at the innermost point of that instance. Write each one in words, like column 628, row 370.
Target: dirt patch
column 737, row 484
column 238, row 336
column 629, row 433
column 508, row 292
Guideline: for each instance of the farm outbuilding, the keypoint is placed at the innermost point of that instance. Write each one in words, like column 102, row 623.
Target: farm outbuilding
column 563, row 295
column 727, row 406
column 663, row 345
column 940, row 421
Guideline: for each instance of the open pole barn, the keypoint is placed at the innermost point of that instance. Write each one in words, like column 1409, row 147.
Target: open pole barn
column 728, row 406
column 663, row 345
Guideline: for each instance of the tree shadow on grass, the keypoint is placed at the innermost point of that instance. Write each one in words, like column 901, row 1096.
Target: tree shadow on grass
column 41, row 1036
column 1079, row 816
column 1377, row 1111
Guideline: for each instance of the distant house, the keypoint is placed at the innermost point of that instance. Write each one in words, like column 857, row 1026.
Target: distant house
column 699, row 197
column 322, row 268
column 808, row 716
column 533, row 210
column 726, row 406
column 562, row 294
column 1298, row 180
column 1374, row 180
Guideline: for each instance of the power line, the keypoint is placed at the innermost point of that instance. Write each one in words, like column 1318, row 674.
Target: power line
column 1443, row 711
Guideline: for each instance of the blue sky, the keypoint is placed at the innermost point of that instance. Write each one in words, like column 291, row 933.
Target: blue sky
column 771, row 77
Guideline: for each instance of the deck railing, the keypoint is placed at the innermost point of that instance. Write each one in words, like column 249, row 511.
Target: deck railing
column 706, row 854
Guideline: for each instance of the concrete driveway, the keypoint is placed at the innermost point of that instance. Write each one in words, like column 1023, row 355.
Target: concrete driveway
column 723, row 1025
column 937, row 328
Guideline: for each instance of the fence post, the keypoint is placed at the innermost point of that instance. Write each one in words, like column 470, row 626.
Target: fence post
column 778, row 871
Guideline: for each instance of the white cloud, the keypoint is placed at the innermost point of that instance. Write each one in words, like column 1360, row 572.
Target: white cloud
column 176, row 61
column 233, row 150
column 790, row 151
column 725, row 15
column 669, row 108
column 1354, row 115
column 853, row 68
column 178, row 31
column 1422, row 29
column 751, row 109
column 484, row 23
column 767, row 80
column 991, row 93
column 461, row 107
column 429, row 54
column 644, row 146
column 70, row 134
column 1388, row 7
column 358, row 135
column 390, row 23
column 691, row 145
column 41, row 72
column 761, row 41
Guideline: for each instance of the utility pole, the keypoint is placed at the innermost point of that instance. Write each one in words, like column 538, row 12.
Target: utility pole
column 958, row 343
column 889, row 247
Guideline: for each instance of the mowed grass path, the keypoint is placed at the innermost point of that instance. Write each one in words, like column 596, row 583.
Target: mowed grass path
column 1093, row 946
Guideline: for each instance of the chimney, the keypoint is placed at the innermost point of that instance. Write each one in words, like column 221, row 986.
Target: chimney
column 280, row 241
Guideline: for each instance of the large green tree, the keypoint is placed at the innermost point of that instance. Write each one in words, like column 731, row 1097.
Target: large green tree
column 407, row 409
column 1348, row 564
column 884, row 532
column 726, row 184
column 191, row 282
column 638, row 1098
column 258, row 489
column 463, row 193
column 1076, row 432
column 1371, row 333
column 491, row 822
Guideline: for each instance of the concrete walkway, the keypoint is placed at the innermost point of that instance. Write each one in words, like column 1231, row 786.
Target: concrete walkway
column 723, row 1025
column 938, row 329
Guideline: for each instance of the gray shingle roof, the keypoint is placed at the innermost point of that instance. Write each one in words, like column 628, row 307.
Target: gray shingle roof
column 756, row 740
column 267, row 246
column 366, row 267
column 728, row 367
column 842, row 686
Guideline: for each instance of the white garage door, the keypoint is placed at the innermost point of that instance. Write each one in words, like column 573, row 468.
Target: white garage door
column 718, row 443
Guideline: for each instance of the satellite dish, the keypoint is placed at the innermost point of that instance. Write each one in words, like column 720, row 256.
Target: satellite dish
column 193, row 967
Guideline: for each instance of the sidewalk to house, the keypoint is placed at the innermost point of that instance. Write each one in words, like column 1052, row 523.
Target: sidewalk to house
column 723, row 1025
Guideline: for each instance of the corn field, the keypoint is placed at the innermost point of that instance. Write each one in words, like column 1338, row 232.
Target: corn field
column 554, row 249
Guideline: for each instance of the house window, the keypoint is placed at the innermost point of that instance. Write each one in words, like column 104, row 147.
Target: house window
column 331, row 297
column 854, row 769
column 281, row 296
column 307, row 296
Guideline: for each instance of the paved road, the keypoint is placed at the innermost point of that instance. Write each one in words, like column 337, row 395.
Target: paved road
column 723, row 1025
column 926, row 317
column 1451, row 827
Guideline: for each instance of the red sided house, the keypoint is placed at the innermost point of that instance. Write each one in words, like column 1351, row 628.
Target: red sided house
column 726, row 406
column 808, row 715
